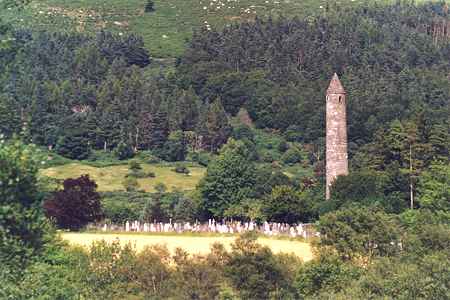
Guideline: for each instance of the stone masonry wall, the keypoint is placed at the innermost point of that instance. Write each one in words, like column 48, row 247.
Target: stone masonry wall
column 336, row 139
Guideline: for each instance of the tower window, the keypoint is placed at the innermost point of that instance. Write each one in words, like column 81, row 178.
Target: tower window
column 340, row 99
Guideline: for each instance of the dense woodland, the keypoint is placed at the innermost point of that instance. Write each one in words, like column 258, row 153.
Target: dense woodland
column 245, row 101
column 393, row 62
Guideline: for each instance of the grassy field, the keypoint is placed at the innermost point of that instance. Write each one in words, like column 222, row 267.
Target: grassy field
column 111, row 178
column 192, row 244
column 166, row 30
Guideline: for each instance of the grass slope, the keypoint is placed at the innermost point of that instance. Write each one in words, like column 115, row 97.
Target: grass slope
column 166, row 30
column 192, row 244
column 111, row 178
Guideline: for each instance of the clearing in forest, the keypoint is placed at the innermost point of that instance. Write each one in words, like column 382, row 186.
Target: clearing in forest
column 111, row 178
column 192, row 244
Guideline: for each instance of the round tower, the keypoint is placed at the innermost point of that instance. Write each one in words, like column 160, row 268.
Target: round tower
column 336, row 135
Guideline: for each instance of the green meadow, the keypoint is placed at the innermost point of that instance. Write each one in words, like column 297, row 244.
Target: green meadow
column 166, row 30
column 110, row 178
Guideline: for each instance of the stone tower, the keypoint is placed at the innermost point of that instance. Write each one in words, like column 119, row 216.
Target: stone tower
column 336, row 152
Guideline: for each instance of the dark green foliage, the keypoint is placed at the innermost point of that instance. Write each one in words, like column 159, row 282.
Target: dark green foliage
column 434, row 187
column 326, row 274
column 158, row 129
column 73, row 84
column 154, row 211
column 23, row 228
column 163, row 206
column 123, row 151
column 217, row 128
column 152, row 271
column 359, row 233
column 196, row 278
column 293, row 133
column 283, row 146
column 130, row 184
column 135, row 166
column 181, row 169
column 424, row 278
column 108, row 270
column 137, row 172
column 368, row 188
column 74, row 142
column 254, row 270
column 285, row 205
column 73, row 147
column 202, row 158
column 175, row 148
column 44, row 280
column 149, row 6
column 292, row 156
column 76, row 205
column 229, row 179
column 285, row 77
column 243, row 132
column 119, row 207
column 9, row 117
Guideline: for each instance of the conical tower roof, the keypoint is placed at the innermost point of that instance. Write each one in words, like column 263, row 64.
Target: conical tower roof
column 335, row 86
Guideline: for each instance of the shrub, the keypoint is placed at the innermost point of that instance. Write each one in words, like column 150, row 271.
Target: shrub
column 23, row 228
column 45, row 281
column 292, row 156
column 111, row 270
column 73, row 147
column 120, row 207
column 243, row 132
column 181, row 170
column 149, row 6
column 76, row 205
column 283, row 146
column 359, row 233
column 134, row 166
column 202, row 158
column 267, row 157
column 254, row 270
column 137, row 174
column 150, row 174
column 130, row 184
column 123, row 151
column 175, row 148
column 286, row 205
column 152, row 271
column 293, row 133
column 195, row 278
column 147, row 157
column 325, row 274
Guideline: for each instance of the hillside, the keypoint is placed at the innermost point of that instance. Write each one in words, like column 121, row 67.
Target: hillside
column 150, row 126
column 166, row 30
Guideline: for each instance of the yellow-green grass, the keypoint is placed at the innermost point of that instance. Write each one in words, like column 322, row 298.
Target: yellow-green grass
column 111, row 178
column 165, row 30
column 192, row 244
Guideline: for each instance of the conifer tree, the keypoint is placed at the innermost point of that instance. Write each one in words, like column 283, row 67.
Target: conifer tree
column 217, row 125
column 159, row 127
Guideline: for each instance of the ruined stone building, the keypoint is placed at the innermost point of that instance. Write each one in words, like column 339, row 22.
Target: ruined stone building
column 336, row 133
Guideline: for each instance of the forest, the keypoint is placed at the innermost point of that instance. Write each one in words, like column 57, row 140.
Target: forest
column 247, row 103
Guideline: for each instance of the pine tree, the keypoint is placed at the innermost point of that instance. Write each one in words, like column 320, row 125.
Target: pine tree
column 217, row 126
column 74, row 142
column 159, row 127
column 9, row 117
